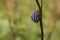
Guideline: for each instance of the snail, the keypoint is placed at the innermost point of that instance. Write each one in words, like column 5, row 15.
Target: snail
column 36, row 16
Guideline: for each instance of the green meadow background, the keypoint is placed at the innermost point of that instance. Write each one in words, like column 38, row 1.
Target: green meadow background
column 26, row 28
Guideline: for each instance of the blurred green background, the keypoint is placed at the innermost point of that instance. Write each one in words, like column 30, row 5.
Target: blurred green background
column 26, row 28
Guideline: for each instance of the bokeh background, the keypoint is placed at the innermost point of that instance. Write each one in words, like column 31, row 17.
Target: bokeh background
column 20, row 20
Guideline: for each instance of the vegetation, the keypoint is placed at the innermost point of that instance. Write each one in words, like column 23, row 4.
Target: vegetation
column 20, row 21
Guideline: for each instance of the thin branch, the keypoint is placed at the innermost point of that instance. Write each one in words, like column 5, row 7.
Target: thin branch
column 41, row 24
